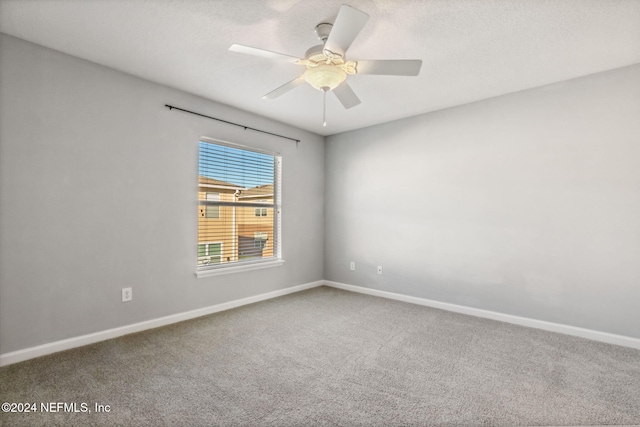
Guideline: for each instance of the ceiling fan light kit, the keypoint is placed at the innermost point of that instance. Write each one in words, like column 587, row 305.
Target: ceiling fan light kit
column 327, row 69
column 324, row 77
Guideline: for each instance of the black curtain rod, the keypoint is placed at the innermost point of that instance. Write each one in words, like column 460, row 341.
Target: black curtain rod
column 171, row 107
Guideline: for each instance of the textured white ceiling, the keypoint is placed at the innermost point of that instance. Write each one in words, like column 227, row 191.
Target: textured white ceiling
column 471, row 49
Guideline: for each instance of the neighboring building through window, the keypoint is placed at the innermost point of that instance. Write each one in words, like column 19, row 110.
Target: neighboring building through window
column 239, row 199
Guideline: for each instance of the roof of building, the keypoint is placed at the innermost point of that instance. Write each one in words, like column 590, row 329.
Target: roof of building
column 257, row 192
column 205, row 181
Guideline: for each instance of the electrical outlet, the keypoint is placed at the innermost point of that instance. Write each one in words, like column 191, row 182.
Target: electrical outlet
column 352, row 266
column 127, row 294
column 379, row 269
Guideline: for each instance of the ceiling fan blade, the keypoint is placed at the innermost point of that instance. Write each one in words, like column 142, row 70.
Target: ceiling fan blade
column 284, row 88
column 345, row 29
column 346, row 95
column 262, row 53
column 398, row 67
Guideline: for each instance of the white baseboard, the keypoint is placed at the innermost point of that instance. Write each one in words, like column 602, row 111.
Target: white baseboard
column 522, row 321
column 66, row 344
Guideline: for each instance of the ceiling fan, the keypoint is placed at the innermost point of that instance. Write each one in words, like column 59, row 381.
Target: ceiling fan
column 327, row 67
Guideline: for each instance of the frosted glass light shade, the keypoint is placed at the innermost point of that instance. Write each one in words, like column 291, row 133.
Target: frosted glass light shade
column 324, row 77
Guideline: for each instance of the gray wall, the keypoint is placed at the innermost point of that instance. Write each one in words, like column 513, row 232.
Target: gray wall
column 526, row 204
column 98, row 189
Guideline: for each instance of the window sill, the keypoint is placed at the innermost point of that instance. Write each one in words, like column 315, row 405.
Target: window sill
column 238, row 268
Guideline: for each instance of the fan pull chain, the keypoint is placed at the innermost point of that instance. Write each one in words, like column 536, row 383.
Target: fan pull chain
column 324, row 107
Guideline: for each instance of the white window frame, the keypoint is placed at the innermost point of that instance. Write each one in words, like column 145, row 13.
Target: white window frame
column 276, row 260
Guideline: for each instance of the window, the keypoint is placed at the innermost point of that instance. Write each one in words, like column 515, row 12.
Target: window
column 239, row 214
column 260, row 240
column 212, row 211
column 261, row 211
column 209, row 253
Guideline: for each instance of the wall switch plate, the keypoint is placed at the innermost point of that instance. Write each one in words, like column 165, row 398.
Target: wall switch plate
column 127, row 294
column 352, row 266
column 379, row 269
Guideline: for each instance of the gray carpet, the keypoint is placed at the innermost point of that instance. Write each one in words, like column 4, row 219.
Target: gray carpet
column 326, row 357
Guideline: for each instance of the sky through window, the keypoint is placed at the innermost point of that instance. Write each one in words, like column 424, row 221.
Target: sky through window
column 235, row 166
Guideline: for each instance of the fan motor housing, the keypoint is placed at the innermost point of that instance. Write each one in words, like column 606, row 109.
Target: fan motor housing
column 315, row 53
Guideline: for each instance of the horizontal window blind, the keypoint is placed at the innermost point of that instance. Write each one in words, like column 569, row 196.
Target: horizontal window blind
column 239, row 206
